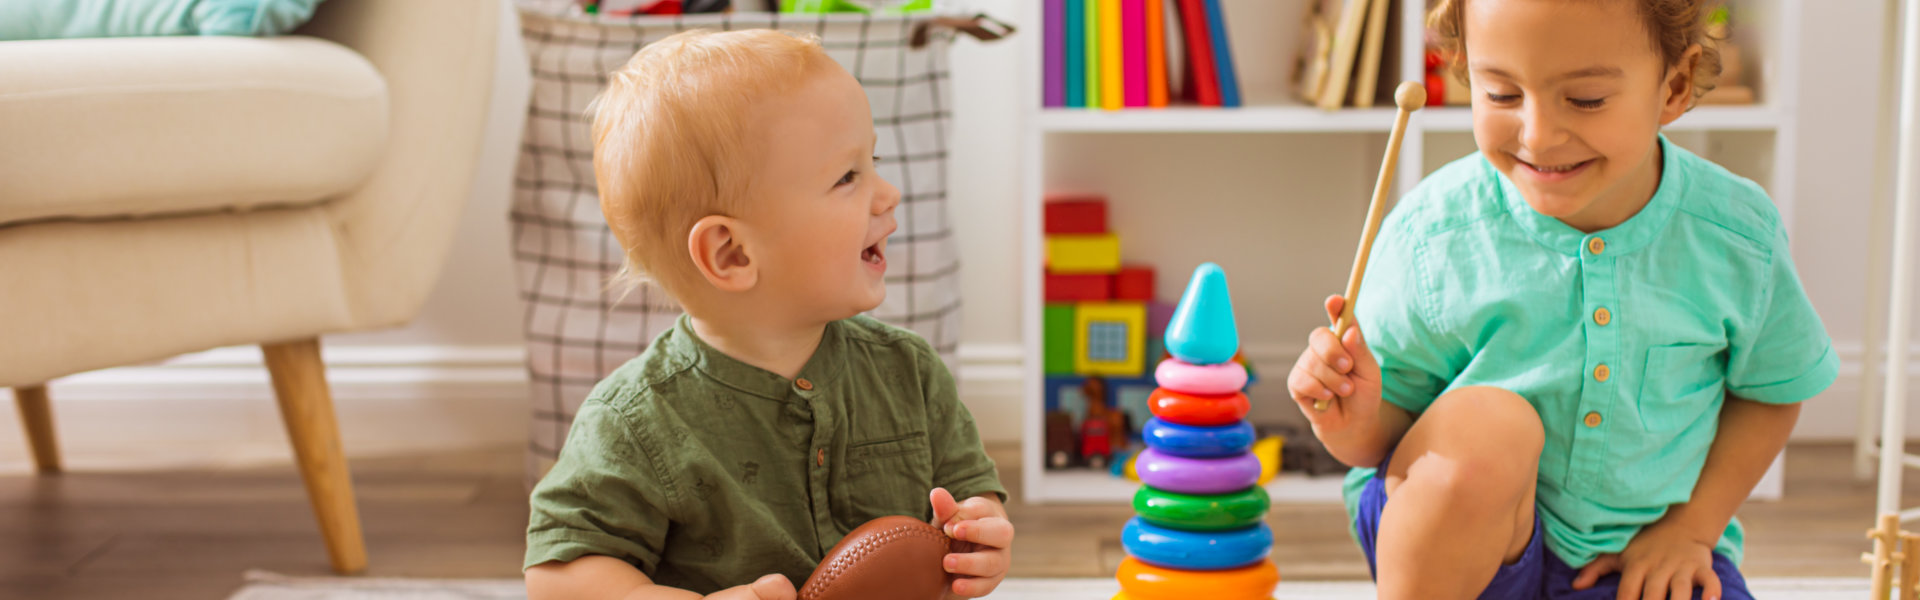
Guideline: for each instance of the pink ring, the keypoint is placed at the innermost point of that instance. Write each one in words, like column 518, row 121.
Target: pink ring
column 1180, row 376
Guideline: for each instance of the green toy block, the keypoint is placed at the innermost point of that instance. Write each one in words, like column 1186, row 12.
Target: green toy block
column 845, row 6
column 821, row 6
column 1057, row 338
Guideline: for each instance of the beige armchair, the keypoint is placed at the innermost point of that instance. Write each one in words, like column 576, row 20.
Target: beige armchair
column 167, row 195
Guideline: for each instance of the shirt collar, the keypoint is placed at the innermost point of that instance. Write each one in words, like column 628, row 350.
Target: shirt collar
column 820, row 372
column 1635, row 233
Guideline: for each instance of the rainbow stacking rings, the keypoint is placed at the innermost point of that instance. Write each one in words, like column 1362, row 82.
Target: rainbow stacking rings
column 1234, row 510
column 1197, row 475
column 1198, row 409
column 1195, row 550
column 1197, row 442
column 1217, row 379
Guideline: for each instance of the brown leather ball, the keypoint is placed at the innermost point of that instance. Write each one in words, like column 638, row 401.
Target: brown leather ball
column 889, row 558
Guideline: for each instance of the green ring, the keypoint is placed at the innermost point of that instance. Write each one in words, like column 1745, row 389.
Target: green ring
column 1201, row 513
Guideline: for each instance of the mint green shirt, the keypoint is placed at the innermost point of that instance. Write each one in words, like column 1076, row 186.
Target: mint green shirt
column 1468, row 286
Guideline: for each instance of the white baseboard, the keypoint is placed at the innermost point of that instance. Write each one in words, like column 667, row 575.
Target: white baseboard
column 408, row 398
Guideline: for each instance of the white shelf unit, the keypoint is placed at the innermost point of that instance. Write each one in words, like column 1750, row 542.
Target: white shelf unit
column 1276, row 191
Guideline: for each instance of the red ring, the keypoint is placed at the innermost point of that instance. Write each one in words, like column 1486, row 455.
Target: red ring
column 1197, row 409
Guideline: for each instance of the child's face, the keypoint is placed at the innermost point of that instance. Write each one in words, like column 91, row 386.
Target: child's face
column 819, row 213
column 1568, row 100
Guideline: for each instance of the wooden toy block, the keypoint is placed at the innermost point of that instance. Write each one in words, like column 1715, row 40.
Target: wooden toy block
column 1134, row 282
column 1110, row 339
column 1069, row 254
column 1081, row 287
column 1075, row 214
column 1057, row 341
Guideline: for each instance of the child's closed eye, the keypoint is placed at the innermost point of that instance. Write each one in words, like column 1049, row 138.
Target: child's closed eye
column 1587, row 104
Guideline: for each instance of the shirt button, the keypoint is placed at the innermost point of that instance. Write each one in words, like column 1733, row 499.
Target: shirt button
column 803, row 384
column 1603, row 316
column 1593, row 419
column 820, row 458
column 1596, row 245
column 1601, row 372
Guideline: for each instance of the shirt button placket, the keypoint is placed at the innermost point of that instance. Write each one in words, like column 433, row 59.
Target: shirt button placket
column 1602, row 347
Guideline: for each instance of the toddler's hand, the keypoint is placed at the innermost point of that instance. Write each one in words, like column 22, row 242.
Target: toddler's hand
column 980, row 525
column 770, row 587
column 1659, row 562
column 1342, row 373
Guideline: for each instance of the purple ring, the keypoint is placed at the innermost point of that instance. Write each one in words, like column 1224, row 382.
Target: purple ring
column 1197, row 475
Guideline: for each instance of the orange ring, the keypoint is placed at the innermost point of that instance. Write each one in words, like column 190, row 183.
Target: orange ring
column 1141, row 581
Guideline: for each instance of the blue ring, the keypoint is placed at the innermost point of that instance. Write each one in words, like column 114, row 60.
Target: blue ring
column 1198, row 442
column 1196, row 550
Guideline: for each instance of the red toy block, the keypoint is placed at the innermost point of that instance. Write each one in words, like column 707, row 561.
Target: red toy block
column 1093, row 287
column 1135, row 282
column 1076, row 214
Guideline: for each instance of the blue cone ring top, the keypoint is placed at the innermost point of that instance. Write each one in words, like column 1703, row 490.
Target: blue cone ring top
column 1202, row 331
column 1198, row 442
column 1196, row 550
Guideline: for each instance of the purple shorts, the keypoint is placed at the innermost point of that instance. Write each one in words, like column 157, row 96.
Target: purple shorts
column 1539, row 574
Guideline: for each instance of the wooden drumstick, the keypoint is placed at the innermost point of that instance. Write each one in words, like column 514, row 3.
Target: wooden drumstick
column 1409, row 97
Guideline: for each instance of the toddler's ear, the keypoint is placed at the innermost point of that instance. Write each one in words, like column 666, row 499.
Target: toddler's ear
column 1679, row 86
column 720, row 254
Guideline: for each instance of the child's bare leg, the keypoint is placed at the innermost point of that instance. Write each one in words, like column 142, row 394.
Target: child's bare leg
column 1459, row 495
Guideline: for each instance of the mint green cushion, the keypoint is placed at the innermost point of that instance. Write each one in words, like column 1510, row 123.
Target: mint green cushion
column 36, row 19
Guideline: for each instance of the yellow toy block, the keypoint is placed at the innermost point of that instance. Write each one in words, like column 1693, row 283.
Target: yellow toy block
column 1110, row 339
column 1098, row 253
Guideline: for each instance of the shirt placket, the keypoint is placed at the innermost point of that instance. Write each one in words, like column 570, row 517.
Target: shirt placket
column 1598, row 382
column 819, row 469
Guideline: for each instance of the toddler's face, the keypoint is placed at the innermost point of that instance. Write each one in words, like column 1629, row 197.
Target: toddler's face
column 1568, row 98
column 819, row 213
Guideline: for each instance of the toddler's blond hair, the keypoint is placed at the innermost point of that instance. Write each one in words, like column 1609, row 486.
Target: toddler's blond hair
column 670, row 139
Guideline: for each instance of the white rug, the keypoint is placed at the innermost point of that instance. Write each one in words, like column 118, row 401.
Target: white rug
column 268, row 586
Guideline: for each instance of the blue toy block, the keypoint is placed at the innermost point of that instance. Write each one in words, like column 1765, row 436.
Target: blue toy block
column 1202, row 331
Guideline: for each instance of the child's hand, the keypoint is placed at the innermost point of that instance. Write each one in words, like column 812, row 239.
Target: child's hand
column 1664, row 562
column 770, row 587
column 1344, row 374
column 980, row 524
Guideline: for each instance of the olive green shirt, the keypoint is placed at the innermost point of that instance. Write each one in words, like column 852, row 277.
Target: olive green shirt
column 705, row 472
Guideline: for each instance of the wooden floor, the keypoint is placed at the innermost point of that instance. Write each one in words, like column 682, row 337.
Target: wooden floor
column 192, row 533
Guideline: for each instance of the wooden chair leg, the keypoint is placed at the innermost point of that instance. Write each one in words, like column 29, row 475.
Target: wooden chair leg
column 36, row 414
column 300, row 384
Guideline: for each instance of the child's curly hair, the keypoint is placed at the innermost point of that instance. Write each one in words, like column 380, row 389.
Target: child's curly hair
column 1674, row 25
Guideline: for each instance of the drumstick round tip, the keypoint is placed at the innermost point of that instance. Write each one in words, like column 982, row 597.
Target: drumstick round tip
column 1410, row 96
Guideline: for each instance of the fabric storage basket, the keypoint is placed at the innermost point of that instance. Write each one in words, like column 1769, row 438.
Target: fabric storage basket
column 577, row 330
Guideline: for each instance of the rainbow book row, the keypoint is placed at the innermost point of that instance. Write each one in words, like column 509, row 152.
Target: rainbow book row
column 1114, row 54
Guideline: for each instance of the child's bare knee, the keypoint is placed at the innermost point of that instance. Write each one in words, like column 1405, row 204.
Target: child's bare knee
column 1494, row 420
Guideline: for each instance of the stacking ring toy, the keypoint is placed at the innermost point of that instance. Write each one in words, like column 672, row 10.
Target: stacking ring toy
column 1195, row 550
column 1197, row 442
column 1197, row 409
column 1197, row 475
column 1142, row 581
column 1201, row 513
column 1223, row 378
